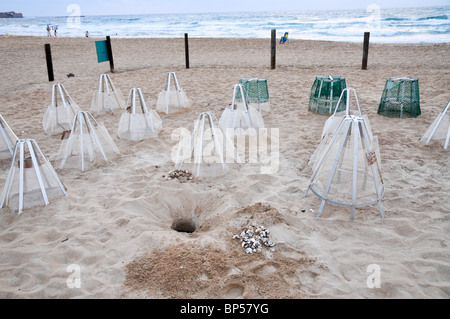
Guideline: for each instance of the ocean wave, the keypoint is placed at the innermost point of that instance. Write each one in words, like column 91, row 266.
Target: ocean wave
column 442, row 17
column 394, row 19
column 389, row 25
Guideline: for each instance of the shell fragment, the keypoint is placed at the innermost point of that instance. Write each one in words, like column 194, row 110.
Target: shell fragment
column 254, row 238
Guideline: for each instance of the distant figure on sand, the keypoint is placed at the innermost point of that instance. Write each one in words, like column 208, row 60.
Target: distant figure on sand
column 48, row 31
column 56, row 28
column 87, row 34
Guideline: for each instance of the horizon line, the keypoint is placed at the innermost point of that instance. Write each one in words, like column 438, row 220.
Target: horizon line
column 225, row 12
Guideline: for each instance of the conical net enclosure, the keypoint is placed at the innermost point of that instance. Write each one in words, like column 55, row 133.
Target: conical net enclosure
column 58, row 117
column 31, row 180
column 346, row 165
column 325, row 93
column 207, row 151
column 138, row 122
column 439, row 131
column 7, row 139
column 400, row 98
column 107, row 98
column 239, row 116
column 172, row 98
column 89, row 144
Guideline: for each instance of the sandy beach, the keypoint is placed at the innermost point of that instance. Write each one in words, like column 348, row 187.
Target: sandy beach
column 115, row 224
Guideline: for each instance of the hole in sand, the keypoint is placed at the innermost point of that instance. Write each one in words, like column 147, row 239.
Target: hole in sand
column 184, row 225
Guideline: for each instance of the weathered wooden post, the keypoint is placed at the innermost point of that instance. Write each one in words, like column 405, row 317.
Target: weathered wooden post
column 48, row 57
column 186, row 49
column 110, row 55
column 273, row 49
column 365, row 50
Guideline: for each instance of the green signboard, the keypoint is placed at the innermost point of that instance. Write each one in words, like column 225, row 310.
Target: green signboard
column 102, row 52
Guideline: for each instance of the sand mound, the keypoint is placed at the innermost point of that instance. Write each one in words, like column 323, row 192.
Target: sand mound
column 194, row 271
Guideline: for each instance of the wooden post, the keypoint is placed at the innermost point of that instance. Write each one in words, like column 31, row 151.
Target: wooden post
column 110, row 55
column 186, row 49
column 365, row 50
column 48, row 57
column 273, row 49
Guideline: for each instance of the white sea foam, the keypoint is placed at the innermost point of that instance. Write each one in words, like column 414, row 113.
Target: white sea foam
column 424, row 24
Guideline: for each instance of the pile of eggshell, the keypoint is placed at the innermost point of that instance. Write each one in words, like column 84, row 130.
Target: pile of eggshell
column 254, row 238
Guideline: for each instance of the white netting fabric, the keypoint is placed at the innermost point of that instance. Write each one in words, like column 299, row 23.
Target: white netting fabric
column 59, row 115
column 346, row 164
column 7, row 139
column 138, row 123
column 207, row 151
column 341, row 160
column 439, row 131
column 89, row 144
column 107, row 98
column 36, row 185
column 239, row 116
column 172, row 98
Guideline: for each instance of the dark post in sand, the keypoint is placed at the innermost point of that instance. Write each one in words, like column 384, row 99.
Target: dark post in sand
column 365, row 50
column 273, row 48
column 110, row 55
column 48, row 57
column 186, row 49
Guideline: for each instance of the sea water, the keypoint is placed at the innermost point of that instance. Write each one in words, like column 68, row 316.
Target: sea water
column 407, row 25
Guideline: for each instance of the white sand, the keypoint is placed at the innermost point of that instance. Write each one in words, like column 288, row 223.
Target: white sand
column 116, row 222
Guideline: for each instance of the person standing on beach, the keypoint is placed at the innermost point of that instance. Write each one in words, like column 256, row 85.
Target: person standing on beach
column 87, row 34
column 48, row 31
column 56, row 28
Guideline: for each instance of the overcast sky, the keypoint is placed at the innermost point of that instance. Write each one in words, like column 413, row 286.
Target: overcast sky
column 108, row 7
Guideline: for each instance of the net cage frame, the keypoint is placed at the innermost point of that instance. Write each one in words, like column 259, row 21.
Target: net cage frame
column 349, row 125
column 70, row 108
column 35, row 152
column 8, row 139
column 163, row 103
column 114, row 96
column 155, row 125
column 223, row 146
column 261, row 98
column 327, row 104
column 66, row 151
column 429, row 134
column 233, row 115
column 399, row 104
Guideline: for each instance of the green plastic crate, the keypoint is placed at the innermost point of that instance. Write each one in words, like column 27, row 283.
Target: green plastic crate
column 400, row 98
column 325, row 93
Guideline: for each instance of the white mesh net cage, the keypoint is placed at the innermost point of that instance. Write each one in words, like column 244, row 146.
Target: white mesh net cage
column 7, row 139
column 89, row 144
column 207, row 152
column 31, row 180
column 59, row 115
column 240, row 116
column 346, row 165
column 107, row 98
column 439, row 131
column 138, row 123
column 172, row 98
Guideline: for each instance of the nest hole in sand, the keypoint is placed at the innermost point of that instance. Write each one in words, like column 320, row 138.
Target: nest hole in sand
column 184, row 225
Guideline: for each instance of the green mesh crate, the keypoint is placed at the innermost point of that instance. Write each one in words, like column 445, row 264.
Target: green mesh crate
column 325, row 94
column 400, row 98
column 256, row 93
